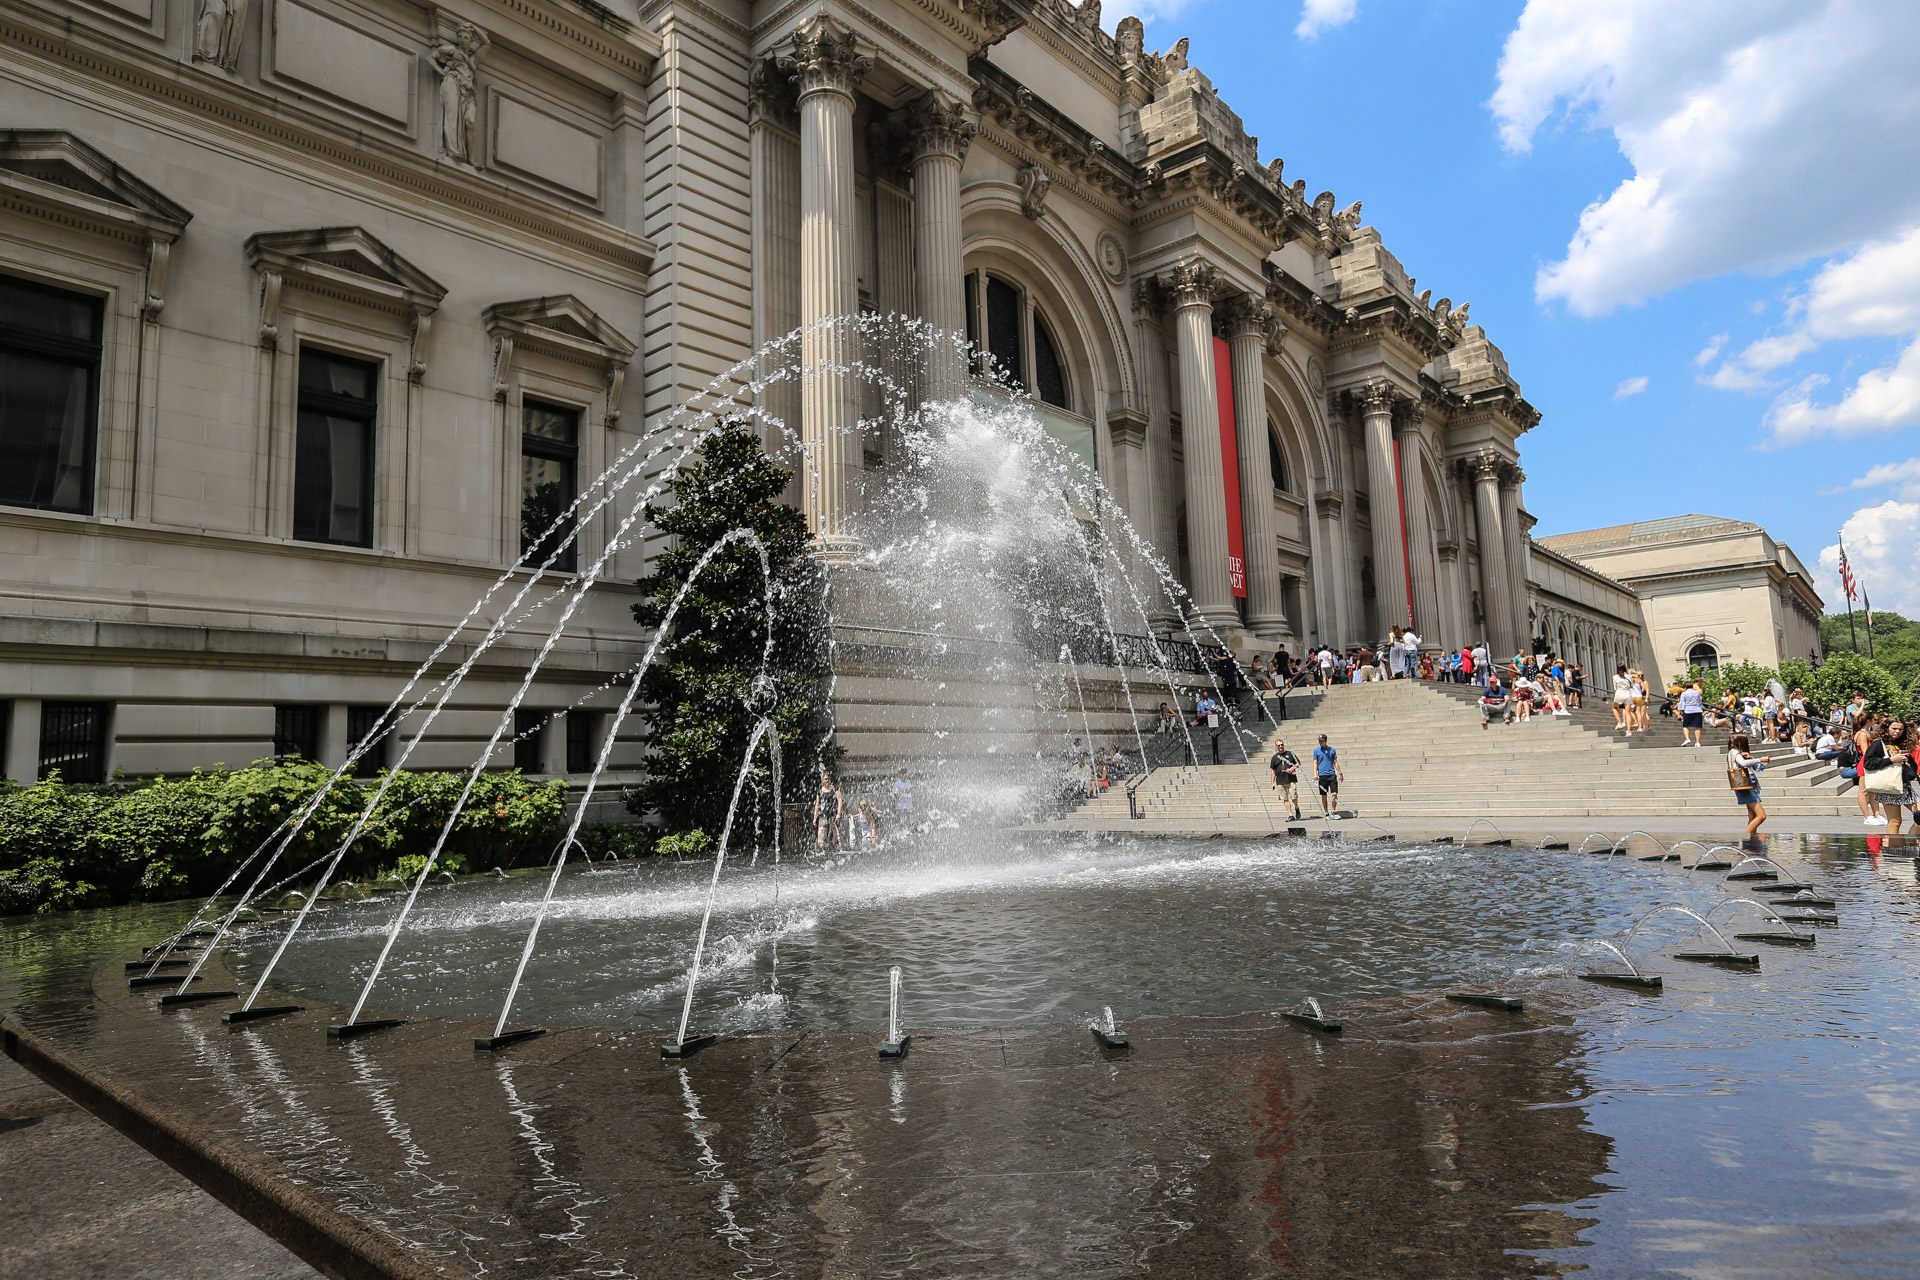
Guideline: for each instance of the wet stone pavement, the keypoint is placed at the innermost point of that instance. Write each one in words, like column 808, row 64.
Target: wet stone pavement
column 1737, row 1123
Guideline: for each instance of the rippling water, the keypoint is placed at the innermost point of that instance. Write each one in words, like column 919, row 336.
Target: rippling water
column 1036, row 934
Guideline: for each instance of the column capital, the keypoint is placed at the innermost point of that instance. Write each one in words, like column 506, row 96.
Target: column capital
column 825, row 60
column 1512, row 477
column 1245, row 316
column 1375, row 396
column 940, row 127
column 1192, row 282
column 1485, row 466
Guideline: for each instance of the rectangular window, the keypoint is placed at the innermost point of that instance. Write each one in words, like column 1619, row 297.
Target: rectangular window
column 549, row 452
column 360, row 723
column 296, row 730
column 580, row 753
column 49, row 397
column 333, row 450
column 73, row 740
column 529, row 728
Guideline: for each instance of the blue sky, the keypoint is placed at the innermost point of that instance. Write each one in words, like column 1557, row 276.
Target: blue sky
column 1720, row 198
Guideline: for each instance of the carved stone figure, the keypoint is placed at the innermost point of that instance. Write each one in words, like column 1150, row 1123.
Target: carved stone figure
column 1087, row 16
column 459, row 99
column 1034, row 185
column 217, row 32
column 1131, row 36
column 1175, row 59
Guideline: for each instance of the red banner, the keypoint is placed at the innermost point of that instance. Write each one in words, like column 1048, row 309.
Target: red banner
column 1230, row 466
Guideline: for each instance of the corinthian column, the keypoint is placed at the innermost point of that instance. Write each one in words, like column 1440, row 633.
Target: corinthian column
column 1249, row 324
column 941, row 132
column 1383, row 498
column 1514, row 531
column 1496, row 598
column 825, row 68
column 1422, row 572
column 1192, row 284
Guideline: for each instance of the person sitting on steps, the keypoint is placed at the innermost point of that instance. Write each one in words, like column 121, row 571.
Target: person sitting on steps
column 1494, row 701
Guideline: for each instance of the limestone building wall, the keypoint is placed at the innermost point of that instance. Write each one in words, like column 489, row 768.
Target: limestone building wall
column 605, row 206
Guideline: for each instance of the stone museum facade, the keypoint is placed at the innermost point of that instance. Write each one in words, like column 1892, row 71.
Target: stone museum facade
column 309, row 308
column 1712, row 591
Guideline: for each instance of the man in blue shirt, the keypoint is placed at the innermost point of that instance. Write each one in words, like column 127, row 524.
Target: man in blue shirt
column 1494, row 702
column 1326, row 763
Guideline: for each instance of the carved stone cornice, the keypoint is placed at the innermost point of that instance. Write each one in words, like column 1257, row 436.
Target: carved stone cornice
column 348, row 265
column 1327, row 503
column 1192, row 282
column 939, row 126
column 1051, row 136
column 825, row 59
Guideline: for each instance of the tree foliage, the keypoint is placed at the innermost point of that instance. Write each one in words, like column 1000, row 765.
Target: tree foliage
column 706, row 690
column 1895, row 642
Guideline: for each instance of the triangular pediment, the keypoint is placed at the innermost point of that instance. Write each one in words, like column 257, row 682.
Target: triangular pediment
column 345, row 262
column 51, row 171
column 562, row 325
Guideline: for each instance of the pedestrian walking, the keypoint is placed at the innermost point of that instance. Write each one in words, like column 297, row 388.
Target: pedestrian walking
column 829, row 808
column 1286, row 776
column 1743, row 775
column 1693, row 713
column 1856, row 769
column 1326, row 765
column 1622, row 700
column 1882, row 773
column 1480, row 659
column 903, row 801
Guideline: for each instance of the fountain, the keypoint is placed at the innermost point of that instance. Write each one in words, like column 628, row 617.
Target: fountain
column 895, row 1045
column 1725, row 956
column 1621, row 844
column 1631, row 978
column 1786, row 936
column 1314, row 1018
column 1108, row 1033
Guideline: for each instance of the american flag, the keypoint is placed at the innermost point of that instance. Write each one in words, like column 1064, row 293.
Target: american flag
column 1847, row 583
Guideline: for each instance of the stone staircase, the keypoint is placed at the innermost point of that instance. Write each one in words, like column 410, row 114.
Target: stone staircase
column 1416, row 749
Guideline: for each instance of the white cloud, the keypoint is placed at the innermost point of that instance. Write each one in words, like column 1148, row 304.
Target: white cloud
column 1323, row 15
column 1762, row 133
column 1711, row 352
column 1630, row 387
column 1904, row 476
column 1883, row 544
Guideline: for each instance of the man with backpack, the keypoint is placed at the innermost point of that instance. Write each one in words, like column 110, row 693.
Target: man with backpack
column 1286, row 777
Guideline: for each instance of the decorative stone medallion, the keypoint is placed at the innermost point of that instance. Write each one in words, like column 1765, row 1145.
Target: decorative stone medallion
column 1113, row 258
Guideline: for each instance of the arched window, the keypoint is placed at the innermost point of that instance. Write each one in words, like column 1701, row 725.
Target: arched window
column 1019, row 346
column 1049, row 374
column 1704, row 656
column 1276, row 462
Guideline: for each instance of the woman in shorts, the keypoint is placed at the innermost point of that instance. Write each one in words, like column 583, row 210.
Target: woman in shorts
column 1743, row 775
column 1622, row 700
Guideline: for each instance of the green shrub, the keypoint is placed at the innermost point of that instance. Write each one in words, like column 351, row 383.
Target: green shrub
column 616, row 839
column 65, row 846
column 684, row 844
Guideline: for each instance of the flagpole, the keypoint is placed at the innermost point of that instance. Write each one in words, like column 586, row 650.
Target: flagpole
column 1846, row 589
column 1867, row 601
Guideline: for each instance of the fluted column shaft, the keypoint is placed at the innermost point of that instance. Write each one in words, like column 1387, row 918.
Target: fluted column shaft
column 1207, row 571
column 1513, row 529
column 825, row 70
column 1421, row 567
column 1495, row 587
column 1383, row 498
column 1248, row 328
column 940, row 136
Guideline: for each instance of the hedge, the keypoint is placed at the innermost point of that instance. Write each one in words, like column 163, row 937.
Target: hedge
column 64, row 846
